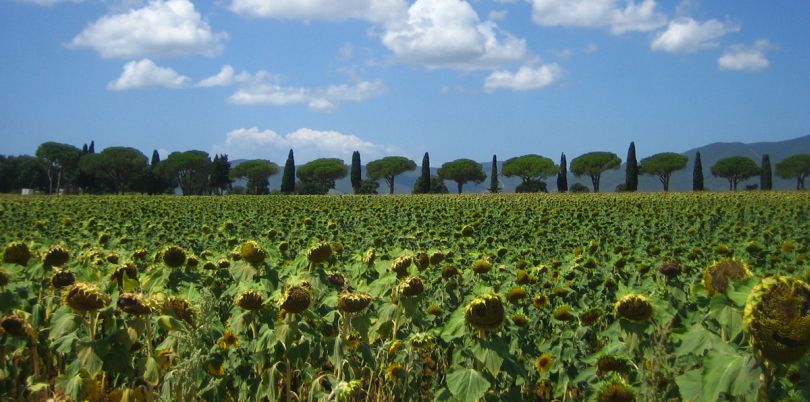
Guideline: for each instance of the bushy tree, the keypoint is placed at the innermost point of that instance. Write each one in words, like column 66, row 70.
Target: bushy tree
column 766, row 178
column 368, row 187
column 61, row 163
column 320, row 175
column 388, row 168
column 697, row 174
column 579, row 188
column 593, row 164
column 356, row 176
column 120, row 165
column 632, row 170
column 85, row 181
column 257, row 172
column 735, row 169
column 662, row 165
column 562, row 175
column 794, row 166
column 531, row 169
column 462, row 171
column 288, row 178
column 190, row 169
column 24, row 171
column 220, row 178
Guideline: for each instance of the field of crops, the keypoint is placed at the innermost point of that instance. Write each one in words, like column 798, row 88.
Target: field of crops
column 608, row 297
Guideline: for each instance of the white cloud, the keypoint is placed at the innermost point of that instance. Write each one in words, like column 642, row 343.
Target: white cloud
column 685, row 35
column 259, row 90
column 525, row 79
column 144, row 74
column 331, row 10
column 742, row 57
column 618, row 15
column 160, row 28
column 449, row 33
column 227, row 77
column 308, row 144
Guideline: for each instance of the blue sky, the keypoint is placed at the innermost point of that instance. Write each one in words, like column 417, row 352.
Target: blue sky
column 253, row 78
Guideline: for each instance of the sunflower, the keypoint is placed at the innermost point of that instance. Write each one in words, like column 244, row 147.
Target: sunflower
column 250, row 300
column 174, row 256
column 520, row 320
column 55, row 256
column 228, row 340
column 252, row 252
column 485, row 313
column 297, row 299
column 16, row 252
column 134, row 304
column 395, row 371
column 540, row 301
column 615, row 390
column 319, row 253
column 777, row 315
column 181, row 308
column 434, row 310
column 400, row 264
column 717, row 276
column 515, row 294
column 670, row 269
column 544, row 362
column 481, row 266
column 634, row 307
column 62, row 279
column 563, row 313
column 411, row 286
column 84, row 297
column 353, row 302
column 16, row 326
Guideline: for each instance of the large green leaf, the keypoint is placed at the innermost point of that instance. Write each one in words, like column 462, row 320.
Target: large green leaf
column 491, row 354
column 455, row 326
column 696, row 341
column 467, row 384
column 690, row 385
column 89, row 360
column 728, row 372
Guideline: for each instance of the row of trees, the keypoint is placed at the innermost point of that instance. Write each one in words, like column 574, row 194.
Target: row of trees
column 64, row 168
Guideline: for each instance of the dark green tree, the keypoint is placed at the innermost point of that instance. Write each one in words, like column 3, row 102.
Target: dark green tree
column 92, row 148
column 288, row 177
column 388, row 168
column 119, row 165
column 369, row 187
column 697, row 174
column 593, row 164
column 257, row 172
column 532, row 170
column 422, row 184
column 494, row 184
column 319, row 175
column 631, row 170
column 662, row 165
column 61, row 163
column 766, row 178
column 220, row 178
column 24, row 171
column 357, row 177
column 735, row 169
column 190, row 169
column 85, row 181
column 562, row 175
column 794, row 166
column 462, row 171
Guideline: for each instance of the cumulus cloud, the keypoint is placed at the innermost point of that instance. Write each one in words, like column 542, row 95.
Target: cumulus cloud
column 331, row 10
column 618, row 16
column 145, row 74
column 449, row 33
column 525, row 79
column 160, row 28
column 224, row 78
column 685, row 35
column 308, row 144
column 259, row 90
column 741, row 57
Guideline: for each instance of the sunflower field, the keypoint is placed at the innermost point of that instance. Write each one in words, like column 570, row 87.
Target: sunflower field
column 606, row 297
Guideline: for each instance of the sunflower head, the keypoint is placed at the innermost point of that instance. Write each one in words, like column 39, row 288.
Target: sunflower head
column 228, row 340
column 16, row 252
column 523, row 277
column 16, row 326
column 62, row 278
column 540, row 301
column 4, row 278
column 319, row 253
column 400, row 265
column 450, row 271
column 411, row 286
column 174, row 256
column 436, row 258
column 544, row 362
column 134, row 304
column 481, row 266
column 353, row 302
column 297, row 299
column 670, row 269
column 563, row 313
column 128, row 271
column 252, row 252
column 369, row 256
column 250, row 300
column 395, row 371
column 485, row 313
column 777, row 315
column 181, row 308
column 520, row 320
column 421, row 260
column 434, row 310
column 717, row 276
column 608, row 364
column 634, row 307
column 84, row 297
column 615, row 390
column 591, row 316
column 515, row 294
column 55, row 256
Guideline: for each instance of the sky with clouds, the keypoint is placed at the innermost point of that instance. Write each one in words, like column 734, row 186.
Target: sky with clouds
column 457, row 78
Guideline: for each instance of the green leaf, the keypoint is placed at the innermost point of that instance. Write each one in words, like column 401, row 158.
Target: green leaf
column 64, row 321
column 738, row 292
column 169, row 323
column 697, row 341
column 690, row 385
column 725, row 371
column 152, row 372
column 455, row 326
column 242, row 272
column 467, row 384
column 73, row 385
column 489, row 354
column 89, row 360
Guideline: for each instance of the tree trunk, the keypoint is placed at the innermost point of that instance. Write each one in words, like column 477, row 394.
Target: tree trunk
column 59, row 181
column 460, row 184
column 390, row 181
column 666, row 183
column 595, row 181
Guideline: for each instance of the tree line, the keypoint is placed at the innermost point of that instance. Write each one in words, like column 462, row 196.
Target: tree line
column 64, row 168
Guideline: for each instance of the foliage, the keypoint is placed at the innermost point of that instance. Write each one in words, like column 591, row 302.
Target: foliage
column 118, row 164
column 593, row 164
column 735, row 169
column 422, row 185
column 579, row 188
column 220, row 177
column 562, row 175
column 494, row 185
column 632, row 170
column 357, row 178
column 529, row 168
column 321, row 174
column 190, row 169
column 663, row 165
column 61, row 162
column 437, row 185
column 288, row 177
column 257, row 172
column 797, row 166
column 697, row 174
column 388, row 168
column 462, row 171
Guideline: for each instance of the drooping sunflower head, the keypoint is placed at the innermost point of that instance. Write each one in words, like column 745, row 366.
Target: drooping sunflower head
column 434, row 310
column 717, row 276
column 540, row 301
column 16, row 252
column 174, row 256
column 319, row 253
column 544, row 362
column 400, row 265
column 634, row 307
column 250, row 300
column 607, row 364
column 591, row 316
column 515, row 294
column 485, row 313
column 16, row 326
column 670, row 269
column 436, row 258
column 353, row 302
column 615, row 390
column 252, row 252
column 296, row 299
column 84, row 297
column 228, row 340
column 55, row 256
column 777, row 315
column 421, row 260
column 520, row 320
column 411, row 286
column 450, row 271
column 181, row 308
column 563, row 313
column 482, row 266
column 134, row 304
column 126, row 271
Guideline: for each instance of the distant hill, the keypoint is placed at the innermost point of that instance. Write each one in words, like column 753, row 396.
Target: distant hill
column 681, row 181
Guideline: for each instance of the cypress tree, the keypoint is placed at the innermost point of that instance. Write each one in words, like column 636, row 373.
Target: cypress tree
column 155, row 159
column 425, row 174
column 288, row 178
column 766, row 178
column 562, row 177
column 631, row 171
column 697, row 174
column 92, row 148
column 494, row 185
column 357, row 178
